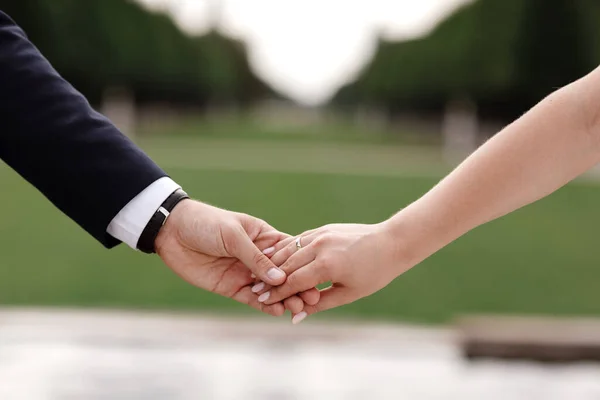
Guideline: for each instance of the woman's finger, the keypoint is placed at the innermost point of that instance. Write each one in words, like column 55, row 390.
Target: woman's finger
column 291, row 248
column 271, row 251
column 287, row 240
column 303, row 279
column 301, row 258
column 310, row 296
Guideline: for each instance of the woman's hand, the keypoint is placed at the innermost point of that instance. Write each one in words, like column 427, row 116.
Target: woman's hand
column 357, row 259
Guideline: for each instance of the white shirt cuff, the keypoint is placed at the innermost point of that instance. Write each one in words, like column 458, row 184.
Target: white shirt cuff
column 129, row 223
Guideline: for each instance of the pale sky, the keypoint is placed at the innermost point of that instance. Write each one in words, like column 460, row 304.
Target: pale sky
column 308, row 49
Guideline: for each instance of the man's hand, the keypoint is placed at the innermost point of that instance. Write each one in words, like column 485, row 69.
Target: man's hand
column 218, row 250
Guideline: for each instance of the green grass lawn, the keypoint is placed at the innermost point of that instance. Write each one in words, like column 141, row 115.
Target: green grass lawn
column 247, row 128
column 542, row 259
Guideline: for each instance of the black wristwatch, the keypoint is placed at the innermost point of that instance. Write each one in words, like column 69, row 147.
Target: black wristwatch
column 148, row 236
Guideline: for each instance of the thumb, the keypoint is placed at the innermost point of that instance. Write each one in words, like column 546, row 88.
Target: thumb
column 331, row 297
column 258, row 263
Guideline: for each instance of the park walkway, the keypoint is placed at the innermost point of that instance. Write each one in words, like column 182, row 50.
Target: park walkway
column 85, row 354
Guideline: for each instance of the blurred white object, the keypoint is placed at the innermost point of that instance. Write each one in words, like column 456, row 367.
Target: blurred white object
column 54, row 354
column 118, row 105
column 460, row 130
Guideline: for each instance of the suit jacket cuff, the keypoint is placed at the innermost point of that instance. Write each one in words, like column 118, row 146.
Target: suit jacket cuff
column 128, row 224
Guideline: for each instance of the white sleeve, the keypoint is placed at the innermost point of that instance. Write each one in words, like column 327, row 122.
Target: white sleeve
column 129, row 223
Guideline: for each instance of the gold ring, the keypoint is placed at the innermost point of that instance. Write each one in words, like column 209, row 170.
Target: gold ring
column 298, row 243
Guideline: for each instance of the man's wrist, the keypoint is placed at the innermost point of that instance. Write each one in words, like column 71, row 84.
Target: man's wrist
column 146, row 242
column 128, row 225
column 169, row 232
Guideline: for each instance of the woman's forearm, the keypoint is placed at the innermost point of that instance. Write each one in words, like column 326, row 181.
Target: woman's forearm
column 543, row 150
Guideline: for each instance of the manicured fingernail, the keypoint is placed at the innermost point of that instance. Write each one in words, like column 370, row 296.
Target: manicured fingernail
column 253, row 276
column 299, row 317
column 269, row 250
column 264, row 297
column 275, row 273
column 258, row 287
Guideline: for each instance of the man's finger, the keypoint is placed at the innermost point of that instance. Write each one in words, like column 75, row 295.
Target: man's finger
column 304, row 279
column 311, row 296
column 294, row 304
column 330, row 298
column 301, row 258
column 258, row 263
column 298, row 260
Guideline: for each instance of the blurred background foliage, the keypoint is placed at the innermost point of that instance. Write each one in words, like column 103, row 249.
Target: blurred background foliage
column 118, row 43
column 503, row 55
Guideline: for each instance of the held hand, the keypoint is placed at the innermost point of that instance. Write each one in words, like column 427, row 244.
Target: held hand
column 357, row 259
column 218, row 250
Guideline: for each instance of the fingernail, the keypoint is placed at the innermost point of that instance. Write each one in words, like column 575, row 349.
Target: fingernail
column 264, row 297
column 269, row 250
column 253, row 276
column 275, row 273
column 258, row 287
column 299, row 317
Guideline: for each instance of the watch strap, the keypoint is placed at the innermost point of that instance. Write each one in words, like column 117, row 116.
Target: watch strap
column 158, row 219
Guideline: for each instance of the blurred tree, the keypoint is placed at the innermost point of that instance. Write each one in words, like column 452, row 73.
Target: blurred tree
column 100, row 44
column 553, row 49
column 504, row 55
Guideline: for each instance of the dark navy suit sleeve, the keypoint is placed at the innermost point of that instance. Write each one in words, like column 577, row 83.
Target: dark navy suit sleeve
column 52, row 137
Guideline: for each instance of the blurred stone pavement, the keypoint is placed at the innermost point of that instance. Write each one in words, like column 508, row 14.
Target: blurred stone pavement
column 56, row 354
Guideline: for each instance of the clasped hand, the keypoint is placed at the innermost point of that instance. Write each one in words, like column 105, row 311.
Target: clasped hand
column 220, row 251
column 357, row 259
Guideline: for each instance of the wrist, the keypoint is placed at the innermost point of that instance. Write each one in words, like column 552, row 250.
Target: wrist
column 414, row 236
column 393, row 253
column 169, row 232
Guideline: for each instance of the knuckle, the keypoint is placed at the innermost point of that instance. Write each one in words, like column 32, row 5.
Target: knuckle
column 321, row 241
column 328, row 237
column 294, row 304
column 293, row 283
column 260, row 260
column 230, row 233
column 286, row 267
column 289, row 249
column 325, row 269
column 327, row 262
column 289, row 263
column 311, row 296
column 274, row 310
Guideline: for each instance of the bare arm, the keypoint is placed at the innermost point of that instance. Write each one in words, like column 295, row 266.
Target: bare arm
column 553, row 143
column 544, row 149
